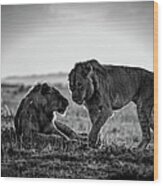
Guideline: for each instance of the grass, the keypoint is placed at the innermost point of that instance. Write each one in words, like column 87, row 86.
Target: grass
column 53, row 157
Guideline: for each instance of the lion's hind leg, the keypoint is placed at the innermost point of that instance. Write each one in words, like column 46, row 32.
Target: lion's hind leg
column 145, row 126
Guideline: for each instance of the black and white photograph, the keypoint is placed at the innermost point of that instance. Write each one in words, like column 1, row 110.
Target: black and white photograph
column 77, row 90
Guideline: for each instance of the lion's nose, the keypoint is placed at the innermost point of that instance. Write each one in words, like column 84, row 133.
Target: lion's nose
column 75, row 98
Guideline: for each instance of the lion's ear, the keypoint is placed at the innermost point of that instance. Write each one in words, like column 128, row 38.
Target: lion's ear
column 96, row 81
column 93, row 76
column 90, row 71
column 45, row 89
column 87, row 70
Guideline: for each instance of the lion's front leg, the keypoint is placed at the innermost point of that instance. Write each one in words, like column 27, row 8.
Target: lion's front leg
column 51, row 129
column 98, row 119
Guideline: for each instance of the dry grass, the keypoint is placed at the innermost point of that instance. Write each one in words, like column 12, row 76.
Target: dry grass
column 50, row 156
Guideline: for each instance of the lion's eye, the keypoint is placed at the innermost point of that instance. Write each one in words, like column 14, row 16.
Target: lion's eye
column 72, row 88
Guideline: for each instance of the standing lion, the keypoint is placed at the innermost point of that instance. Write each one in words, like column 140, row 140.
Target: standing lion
column 35, row 112
column 105, row 88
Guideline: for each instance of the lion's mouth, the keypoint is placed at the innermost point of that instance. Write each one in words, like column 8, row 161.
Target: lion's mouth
column 61, row 110
column 79, row 102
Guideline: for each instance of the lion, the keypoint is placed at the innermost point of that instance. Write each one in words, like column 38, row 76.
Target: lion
column 35, row 111
column 106, row 88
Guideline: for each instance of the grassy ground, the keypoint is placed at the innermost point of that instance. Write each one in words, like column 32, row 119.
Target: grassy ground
column 55, row 158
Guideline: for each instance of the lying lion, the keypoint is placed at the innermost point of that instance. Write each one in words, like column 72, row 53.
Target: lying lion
column 35, row 113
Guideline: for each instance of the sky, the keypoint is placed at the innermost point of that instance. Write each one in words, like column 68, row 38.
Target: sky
column 51, row 38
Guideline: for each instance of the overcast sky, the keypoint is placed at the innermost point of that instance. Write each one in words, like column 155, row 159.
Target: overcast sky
column 50, row 38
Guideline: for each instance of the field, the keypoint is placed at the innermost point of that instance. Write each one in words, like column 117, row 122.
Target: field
column 116, row 158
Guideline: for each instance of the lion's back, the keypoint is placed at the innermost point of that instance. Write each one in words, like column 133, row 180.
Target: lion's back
column 132, row 82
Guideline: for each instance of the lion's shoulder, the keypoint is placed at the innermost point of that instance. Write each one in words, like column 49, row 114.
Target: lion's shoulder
column 125, row 73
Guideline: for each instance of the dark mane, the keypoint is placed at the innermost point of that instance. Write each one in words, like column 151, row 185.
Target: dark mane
column 94, row 63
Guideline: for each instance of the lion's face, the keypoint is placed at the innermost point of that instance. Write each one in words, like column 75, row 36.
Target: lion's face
column 80, row 84
column 56, row 102
column 51, row 99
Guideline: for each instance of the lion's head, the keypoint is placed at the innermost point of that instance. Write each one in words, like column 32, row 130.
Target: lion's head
column 48, row 98
column 42, row 99
column 83, row 81
column 35, row 111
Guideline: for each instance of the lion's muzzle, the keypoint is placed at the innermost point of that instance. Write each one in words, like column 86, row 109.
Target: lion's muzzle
column 63, row 106
column 77, row 100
